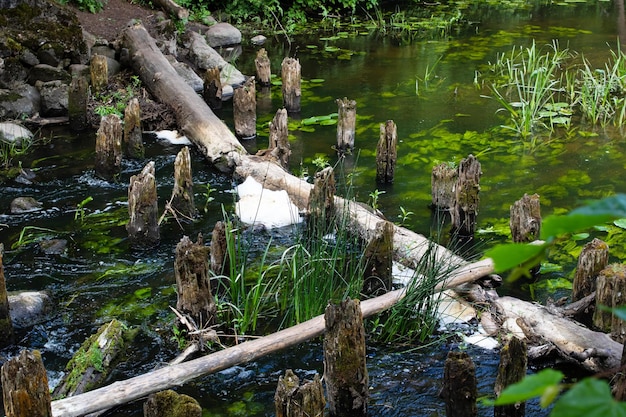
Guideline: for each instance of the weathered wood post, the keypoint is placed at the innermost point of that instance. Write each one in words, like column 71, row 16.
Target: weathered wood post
column 322, row 201
column 279, row 138
column 78, row 95
column 6, row 326
column 442, row 182
column 142, row 226
column 133, row 133
column 219, row 249
column 466, row 197
column 592, row 259
column 191, row 268
column 98, row 69
column 171, row 404
column 244, row 110
column 212, row 91
column 387, row 153
column 290, row 73
column 525, row 220
column 512, row 369
column 345, row 371
column 182, row 201
column 263, row 70
column 346, row 124
column 611, row 292
column 109, row 148
column 459, row 385
column 379, row 257
column 295, row 400
column 25, row 390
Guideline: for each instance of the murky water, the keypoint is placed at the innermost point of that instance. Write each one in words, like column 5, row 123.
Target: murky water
column 444, row 119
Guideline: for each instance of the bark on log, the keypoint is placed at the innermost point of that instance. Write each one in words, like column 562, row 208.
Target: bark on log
column 6, row 326
column 77, row 98
column 443, row 179
column 525, row 219
column 212, row 90
column 346, row 124
column 98, row 69
column 290, row 73
column 133, row 133
column 460, row 389
column 182, row 200
column 279, row 146
column 592, row 259
column 142, row 226
column 244, row 110
column 263, row 70
column 25, row 391
column 466, row 197
column 295, row 400
column 169, row 403
column 109, row 148
column 512, row 369
column 173, row 9
column 387, row 153
column 378, row 254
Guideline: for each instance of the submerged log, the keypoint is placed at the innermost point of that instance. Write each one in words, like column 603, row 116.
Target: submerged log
column 25, row 391
column 244, row 110
column 466, row 197
column 279, row 146
column 387, row 153
column 77, row 98
column 345, row 371
column 443, row 180
column 143, row 226
column 592, row 259
column 109, row 148
column 133, row 133
column 171, row 404
column 460, row 389
column 525, row 220
column 6, row 326
column 290, row 73
column 611, row 293
column 182, row 200
column 263, row 70
column 378, row 255
column 295, row 400
column 512, row 369
column 212, row 90
column 99, row 71
column 346, row 124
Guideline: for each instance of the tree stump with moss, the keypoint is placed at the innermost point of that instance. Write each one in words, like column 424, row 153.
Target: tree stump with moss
column 6, row 326
column 525, row 220
column 387, row 153
column 77, row 97
column 345, row 371
column 346, row 124
column 592, row 259
column 133, row 133
column 182, row 200
column 279, row 146
column 108, row 164
column 512, row 369
column 295, row 400
column 290, row 73
column 25, row 390
column 263, row 70
column 442, row 182
column 244, row 110
column 191, row 268
column 610, row 292
column 466, row 197
column 212, row 91
column 379, row 257
column 322, row 201
column 99, row 71
column 169, row 403
column 459, row 385
column 143, row 226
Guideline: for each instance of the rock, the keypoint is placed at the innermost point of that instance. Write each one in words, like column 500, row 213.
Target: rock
column 222, row 34
column 258, row 40
column 29, row 308
column 21, row 100
column 187, row 74
column 14, row 133
column 21, row 205
column 205, row 57
column 53, row 246
column 44, row 72
column 14, row 72
column 54, row 98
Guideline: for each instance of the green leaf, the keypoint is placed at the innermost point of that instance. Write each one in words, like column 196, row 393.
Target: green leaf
column 589, row 398
column 510, row 255
column 531, row 386
column 621, row 223
column 553, row 226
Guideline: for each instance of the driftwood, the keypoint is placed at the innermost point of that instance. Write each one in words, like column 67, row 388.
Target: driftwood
column 174, row 9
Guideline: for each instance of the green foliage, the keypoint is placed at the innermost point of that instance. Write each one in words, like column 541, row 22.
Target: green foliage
column 12, row 149
column 80, row 209
column 373, row 198
column 91, row 6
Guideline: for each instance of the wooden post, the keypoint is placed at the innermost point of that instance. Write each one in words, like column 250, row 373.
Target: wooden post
column 263, row 71
column 133, row 133
column 143, row 227
column 290, row 73
column 25, row 390
column 387, row 152
column 525, row 220
column 466, row 197
column 459, row 385
column 109, row 148
column 219, row 250
column 322, row 200
column 212, row 92
column 182, row 201
column 6, row 326
column 443, row 180
column 169, row 403
column 279, row 138
column 98, row 70
column 293, row 400
column 592, row 259
column 77, row 98
column 512, row 369
column 191, row 268
column 610, row 292
column 379, row 257
column 244, row 110
column 345, row 371
column 346, row 124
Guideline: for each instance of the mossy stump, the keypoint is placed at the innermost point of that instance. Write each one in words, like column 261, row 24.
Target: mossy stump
column 346, row 124
column 442, row 182
column 244, row 110
column 142, row 226
column 263, row 70
column 6, row 326
column 212, row 91
column 611, row 292
column 466, row 197
column 78, row 95
column 279, row 146
column 460, row 389
column 25, row 390
column 525, row 220
column 169, row 403
column 291, row 88
column 512, row 369
column 379, row 257
column 109, row 148
column 592, row 259
column 133, row 133
column 294, row 400
column 322, row 201
column 182, row 200
column 387, row 153
column 99, row 71
column 345, row 371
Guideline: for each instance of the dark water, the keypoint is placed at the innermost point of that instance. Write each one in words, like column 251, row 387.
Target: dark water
column 100, row 277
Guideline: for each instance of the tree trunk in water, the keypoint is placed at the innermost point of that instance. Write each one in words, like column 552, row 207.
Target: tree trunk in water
column 109, row 148
column 611, row 292
column 133, row 139
column 290, row 72
column 592, row 259
column 459, row 385
column 143, row 227
column 346, row 124
column 182, row 201
column 244, row 110
column 212, row 92
column 193, row 285
column 379, row 258
column 99, row 71
column 293, row 400
column 263, row 71
column 525, row 220
column 25, row 390
column 171, row 404
column 345, row 371
column 512, row 369
column 322, row 201
column 466, row 197
column 443, row 179
column 279, row 146
column 387, row 153
column 78, row 96
column 6, row 326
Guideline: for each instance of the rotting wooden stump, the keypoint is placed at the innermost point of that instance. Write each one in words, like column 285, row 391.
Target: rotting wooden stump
column 6, row 326
column 98, row 69
column 592, row 259
column 108, row 164
column 512, row 369
column 345, row 371
column 25, row 390
column 460, row 389
column 219, row 250
column 466, row 197
column 279, row 146
column 182, row 200
column 611, row 292
column 525, row 220
column 294, row 400
column 377, row 277
column 212, row 91
column 133, row 133
column 263, row 70
column 169, row 403
column 443, row 179
column 322, row 200
column 291, row 87
column 387, row 153
column 244, row 110
column 143, row 226
column 77, row 97
column 346, row 124
column 191, row 268
column 619, row 383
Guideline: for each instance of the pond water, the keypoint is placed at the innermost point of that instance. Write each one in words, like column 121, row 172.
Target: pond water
column 427, row 87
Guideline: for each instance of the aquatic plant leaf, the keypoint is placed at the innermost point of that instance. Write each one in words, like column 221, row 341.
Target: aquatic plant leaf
column 511, row 255
column 530, row 387
column 590, row 397
column 621, row 223
column 553, row 226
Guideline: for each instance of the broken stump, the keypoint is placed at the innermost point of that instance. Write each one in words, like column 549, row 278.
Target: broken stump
column 525, row 220
column 466, row 197
column 182, row 200
column 6, row 326
column 77, row 97
column 294, row 400
column 263, row 70
column 512, row 369
column 290, row 73
column 377, row 277
column 322, row 201
column 592, row 259
column 459, row 385
column 279, row 138
column 346, row 124
column 442, row 182
column 99, row 71
column 387, row 153
column 25, row 391
column 133, row 133
column 212, row 90
column 610, row 292
column 142, row 226
column 219, row 250
column 244, row 110
column 109, row 148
